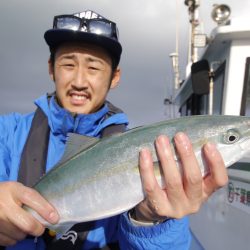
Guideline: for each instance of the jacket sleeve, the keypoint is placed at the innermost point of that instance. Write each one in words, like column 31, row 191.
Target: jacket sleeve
column 172, row 234
column 7, row 124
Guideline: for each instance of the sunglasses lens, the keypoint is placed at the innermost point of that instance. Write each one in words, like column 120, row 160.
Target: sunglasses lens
column 94, row 26
column 100, row 28
column 68, row 23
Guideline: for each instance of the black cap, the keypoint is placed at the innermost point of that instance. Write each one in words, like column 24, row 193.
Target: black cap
column 54, row 37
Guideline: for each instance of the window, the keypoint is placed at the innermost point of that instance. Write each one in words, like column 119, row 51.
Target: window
column 218, row 89
column 245, row 103
column 199, row 104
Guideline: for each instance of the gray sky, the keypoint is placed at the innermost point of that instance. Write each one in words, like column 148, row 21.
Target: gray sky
column 147, row 34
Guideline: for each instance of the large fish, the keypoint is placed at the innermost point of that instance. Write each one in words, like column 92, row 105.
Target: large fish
column 98, row 178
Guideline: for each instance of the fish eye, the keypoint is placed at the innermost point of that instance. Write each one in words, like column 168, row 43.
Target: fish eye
column 231, row 136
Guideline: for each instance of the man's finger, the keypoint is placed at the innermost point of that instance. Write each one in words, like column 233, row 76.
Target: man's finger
column 217, row 176
column 6, row 240
column 151, row 208
column 149, row 181
column 192, row 177
column 9, row 229
column 24, row 221
column 34, row 200
column 172, row 176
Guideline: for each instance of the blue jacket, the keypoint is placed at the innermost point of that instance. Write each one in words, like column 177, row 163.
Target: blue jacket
column 172, row 234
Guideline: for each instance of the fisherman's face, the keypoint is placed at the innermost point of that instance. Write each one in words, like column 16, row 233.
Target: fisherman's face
column 83, row 76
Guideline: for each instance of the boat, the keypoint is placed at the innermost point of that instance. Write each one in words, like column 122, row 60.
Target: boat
column 218, row 82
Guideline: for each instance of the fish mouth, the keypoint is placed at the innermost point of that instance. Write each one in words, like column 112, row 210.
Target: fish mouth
column 244, row 144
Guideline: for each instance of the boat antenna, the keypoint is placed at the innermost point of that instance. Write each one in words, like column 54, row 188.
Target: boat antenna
column 175, row 55
column 194, row 25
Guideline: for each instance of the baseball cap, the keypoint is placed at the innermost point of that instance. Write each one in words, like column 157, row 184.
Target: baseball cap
column 87, row 26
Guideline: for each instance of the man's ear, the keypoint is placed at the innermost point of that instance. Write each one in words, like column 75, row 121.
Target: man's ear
column 51, row 70
column 116, row 78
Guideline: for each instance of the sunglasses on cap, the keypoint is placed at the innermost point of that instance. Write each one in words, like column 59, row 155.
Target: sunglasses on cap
column 97, row 26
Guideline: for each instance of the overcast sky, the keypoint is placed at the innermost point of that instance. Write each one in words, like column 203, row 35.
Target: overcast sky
column 147, row 34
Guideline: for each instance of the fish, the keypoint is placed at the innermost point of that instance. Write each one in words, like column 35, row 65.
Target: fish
column 99, row 178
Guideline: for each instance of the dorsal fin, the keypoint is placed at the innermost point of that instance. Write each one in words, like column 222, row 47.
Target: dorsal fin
column 75, row 144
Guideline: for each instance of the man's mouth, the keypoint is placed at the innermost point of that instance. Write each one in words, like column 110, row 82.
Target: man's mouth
column 78, row 98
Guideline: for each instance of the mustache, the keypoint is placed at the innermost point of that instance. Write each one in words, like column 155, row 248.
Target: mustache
column 81, row 91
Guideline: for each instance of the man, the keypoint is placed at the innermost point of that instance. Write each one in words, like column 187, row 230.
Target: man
column 85, row 54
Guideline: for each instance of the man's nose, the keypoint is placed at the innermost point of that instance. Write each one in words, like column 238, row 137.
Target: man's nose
column 80, row 79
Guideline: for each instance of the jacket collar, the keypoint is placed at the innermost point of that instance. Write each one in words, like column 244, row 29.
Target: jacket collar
column 62, row 121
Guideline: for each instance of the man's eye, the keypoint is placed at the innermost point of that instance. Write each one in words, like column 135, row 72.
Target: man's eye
column 68, row 65
column 93, row 68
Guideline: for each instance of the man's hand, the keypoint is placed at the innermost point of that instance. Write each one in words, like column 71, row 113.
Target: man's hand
column 182, row 195
column 15, row 222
